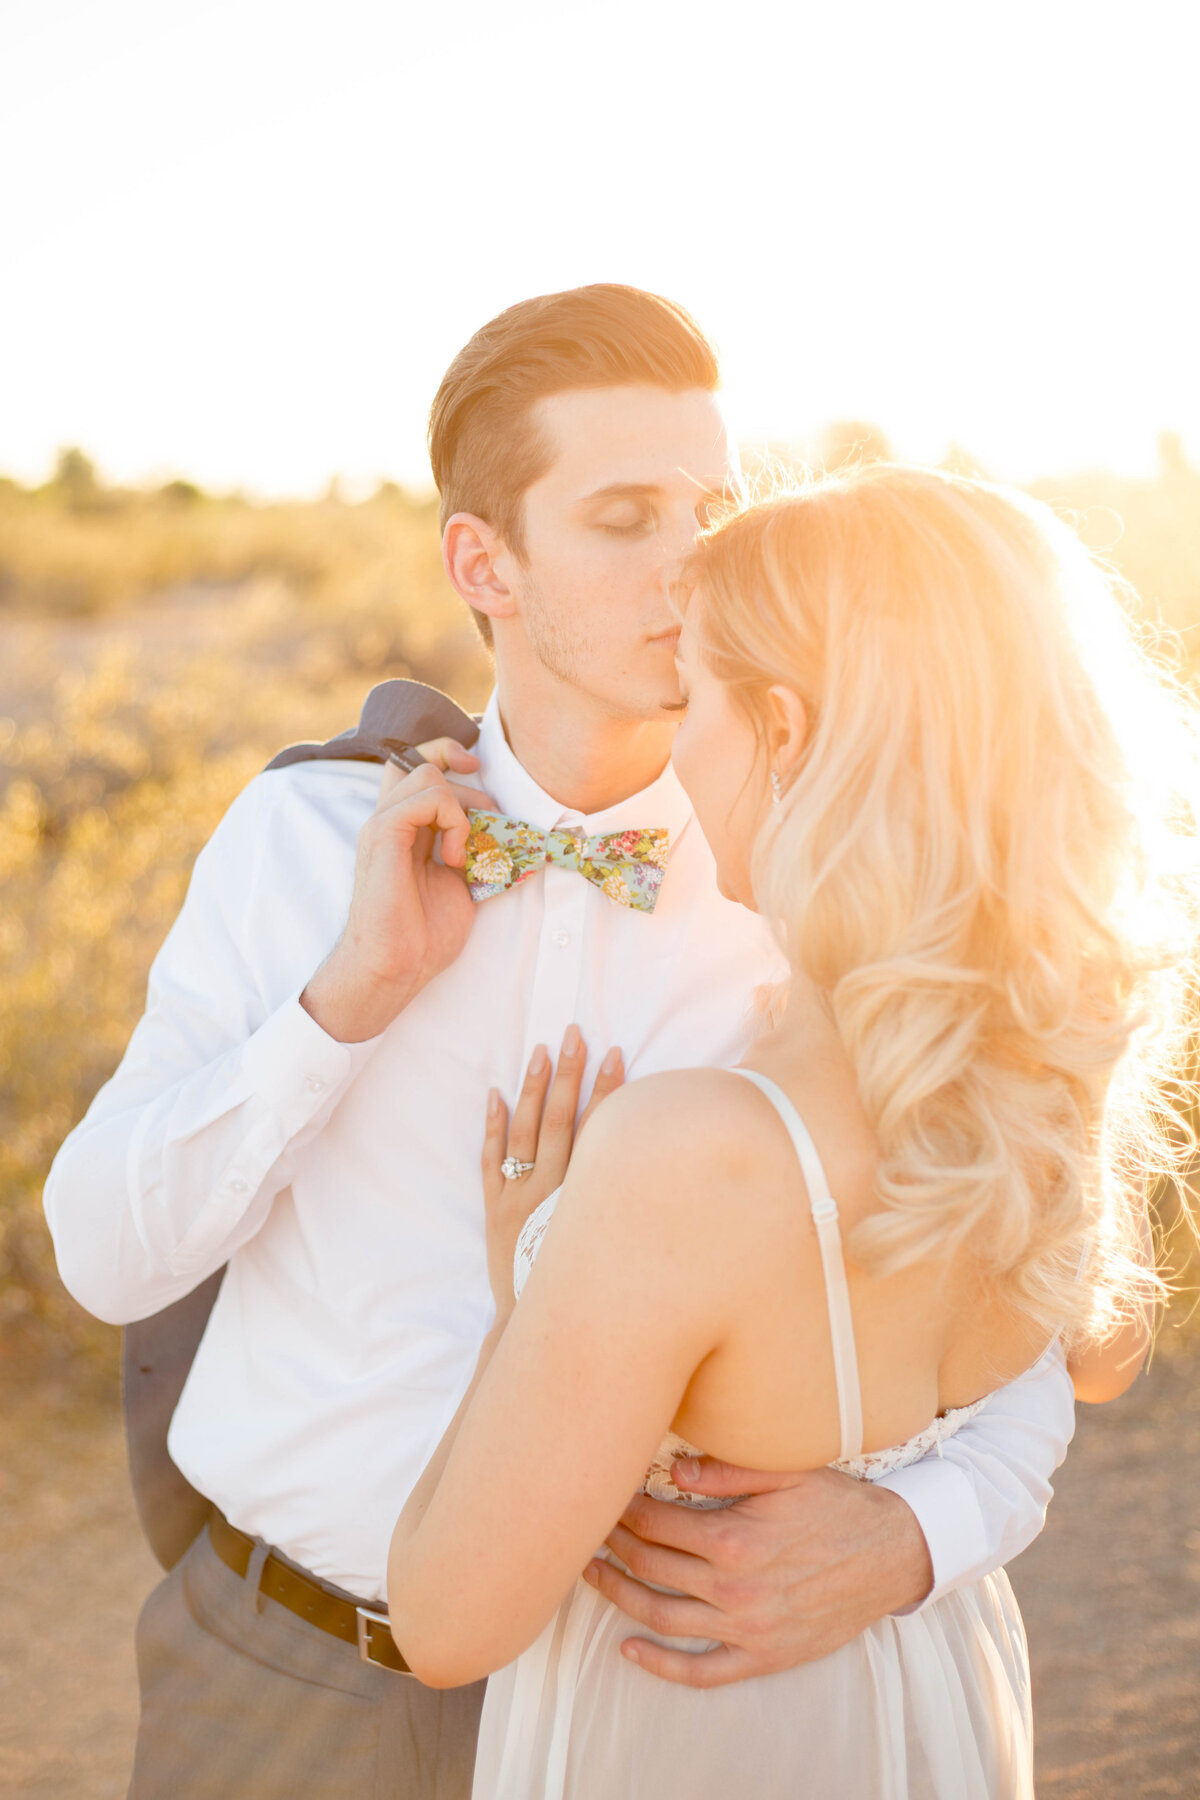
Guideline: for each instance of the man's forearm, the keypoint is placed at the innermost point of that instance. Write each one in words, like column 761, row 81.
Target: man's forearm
column 350, row 1005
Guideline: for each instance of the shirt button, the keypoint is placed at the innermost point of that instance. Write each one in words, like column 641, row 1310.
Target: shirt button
column 313, row 1083
column 237, row 1185
column 562, row 939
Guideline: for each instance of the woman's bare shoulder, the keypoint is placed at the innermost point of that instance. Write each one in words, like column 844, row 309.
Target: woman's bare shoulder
column 692, row 1139
column 675, row 1176
column 683, row 1112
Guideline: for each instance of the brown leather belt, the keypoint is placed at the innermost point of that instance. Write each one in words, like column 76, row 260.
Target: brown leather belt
column 366, row 1626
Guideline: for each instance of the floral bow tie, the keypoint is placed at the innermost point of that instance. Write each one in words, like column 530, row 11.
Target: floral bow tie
column 627, row 865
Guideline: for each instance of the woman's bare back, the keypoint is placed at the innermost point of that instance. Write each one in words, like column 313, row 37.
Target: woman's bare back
column 927, row 1340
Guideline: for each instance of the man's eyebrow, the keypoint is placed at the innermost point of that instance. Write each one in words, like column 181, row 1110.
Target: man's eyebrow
column 638, row 490
column 624, row 490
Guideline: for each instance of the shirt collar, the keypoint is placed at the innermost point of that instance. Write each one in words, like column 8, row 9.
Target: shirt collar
column 514, row 790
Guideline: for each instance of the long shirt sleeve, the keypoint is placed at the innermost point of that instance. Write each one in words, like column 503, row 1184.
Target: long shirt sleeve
column 983, row 1499
column 226, row 1078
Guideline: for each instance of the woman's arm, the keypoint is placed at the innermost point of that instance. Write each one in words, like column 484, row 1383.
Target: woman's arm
column 571, row 1399
column 543, row 1131
column 1104, row 1371
column 1105, row 1368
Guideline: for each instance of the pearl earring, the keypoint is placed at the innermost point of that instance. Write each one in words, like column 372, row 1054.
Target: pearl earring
column 776, row 792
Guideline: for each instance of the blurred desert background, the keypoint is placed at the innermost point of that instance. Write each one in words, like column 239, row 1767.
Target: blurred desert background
column 240, row 245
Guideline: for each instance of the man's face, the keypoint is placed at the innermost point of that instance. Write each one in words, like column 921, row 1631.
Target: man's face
column 634, row 472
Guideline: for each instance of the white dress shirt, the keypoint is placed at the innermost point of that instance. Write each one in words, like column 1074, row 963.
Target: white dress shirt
column 341, row 1181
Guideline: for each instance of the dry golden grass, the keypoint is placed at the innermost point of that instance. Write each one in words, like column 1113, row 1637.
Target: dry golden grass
column 99, row 550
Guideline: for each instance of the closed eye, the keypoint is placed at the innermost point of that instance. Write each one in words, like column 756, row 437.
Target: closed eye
column 639, row 527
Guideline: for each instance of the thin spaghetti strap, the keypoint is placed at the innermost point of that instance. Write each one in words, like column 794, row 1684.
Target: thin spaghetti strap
column 829, row 1238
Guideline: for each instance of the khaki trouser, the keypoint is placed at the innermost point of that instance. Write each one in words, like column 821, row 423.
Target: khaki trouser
column 242, row 1700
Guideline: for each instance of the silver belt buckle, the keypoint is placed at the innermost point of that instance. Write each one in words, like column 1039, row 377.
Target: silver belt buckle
column 365, row 1617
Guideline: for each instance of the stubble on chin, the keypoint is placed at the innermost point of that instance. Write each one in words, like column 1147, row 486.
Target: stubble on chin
column 562, row 646
column 568, row 651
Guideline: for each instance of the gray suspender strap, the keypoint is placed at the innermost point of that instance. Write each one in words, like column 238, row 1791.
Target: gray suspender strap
column 829, row 1238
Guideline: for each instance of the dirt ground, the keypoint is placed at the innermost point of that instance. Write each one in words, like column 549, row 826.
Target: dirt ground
column 1111, row 1595
column 1111, row 1598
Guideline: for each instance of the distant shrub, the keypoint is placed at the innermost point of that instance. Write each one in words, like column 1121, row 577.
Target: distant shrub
column 75, row 477
column 180, row 493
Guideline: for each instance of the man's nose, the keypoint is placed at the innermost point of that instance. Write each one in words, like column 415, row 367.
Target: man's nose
column 676, row 541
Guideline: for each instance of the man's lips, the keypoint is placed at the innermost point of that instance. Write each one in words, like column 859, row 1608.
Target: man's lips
column 670, row 636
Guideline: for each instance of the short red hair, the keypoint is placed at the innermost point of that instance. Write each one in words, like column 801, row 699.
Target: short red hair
column 483, row 446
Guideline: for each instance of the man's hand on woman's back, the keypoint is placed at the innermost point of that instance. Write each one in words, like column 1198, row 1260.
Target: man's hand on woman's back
column 795, row 1569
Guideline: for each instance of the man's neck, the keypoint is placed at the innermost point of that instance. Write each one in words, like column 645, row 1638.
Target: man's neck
column 581, row 758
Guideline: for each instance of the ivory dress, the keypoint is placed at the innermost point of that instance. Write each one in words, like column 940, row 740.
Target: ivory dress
column 932, row 1705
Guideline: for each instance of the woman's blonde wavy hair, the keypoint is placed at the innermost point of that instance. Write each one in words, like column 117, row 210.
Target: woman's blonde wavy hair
column 985, row 857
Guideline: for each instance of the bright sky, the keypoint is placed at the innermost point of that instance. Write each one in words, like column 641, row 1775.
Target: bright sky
column 241, row 239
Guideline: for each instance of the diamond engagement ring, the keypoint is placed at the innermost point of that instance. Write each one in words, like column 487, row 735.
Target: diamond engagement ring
column 512, row 1170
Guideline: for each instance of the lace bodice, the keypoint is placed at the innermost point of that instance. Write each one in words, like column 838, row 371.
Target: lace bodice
column 530, row 1240
column 658, row 1484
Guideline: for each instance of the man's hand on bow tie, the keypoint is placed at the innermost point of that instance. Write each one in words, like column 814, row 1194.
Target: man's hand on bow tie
column 410, row 912
column 447, row 753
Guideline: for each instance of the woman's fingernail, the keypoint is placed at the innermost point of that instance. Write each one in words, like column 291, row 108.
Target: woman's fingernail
column 611, row 1062
column 592, row 1572
column 686, row 1469
column 632, row 1652
column 539, row 1061
column 493, row 1102
column 571, row 1041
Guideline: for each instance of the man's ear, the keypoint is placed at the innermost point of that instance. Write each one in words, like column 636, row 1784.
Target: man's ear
column 787, row 727
column 471, row 551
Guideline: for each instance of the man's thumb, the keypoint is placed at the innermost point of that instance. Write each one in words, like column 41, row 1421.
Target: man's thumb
column 726, row 1481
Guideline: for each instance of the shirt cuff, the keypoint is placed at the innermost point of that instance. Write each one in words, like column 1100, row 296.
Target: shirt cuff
column 949, row 1515
column 291, row 1075
column 294, row 1068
